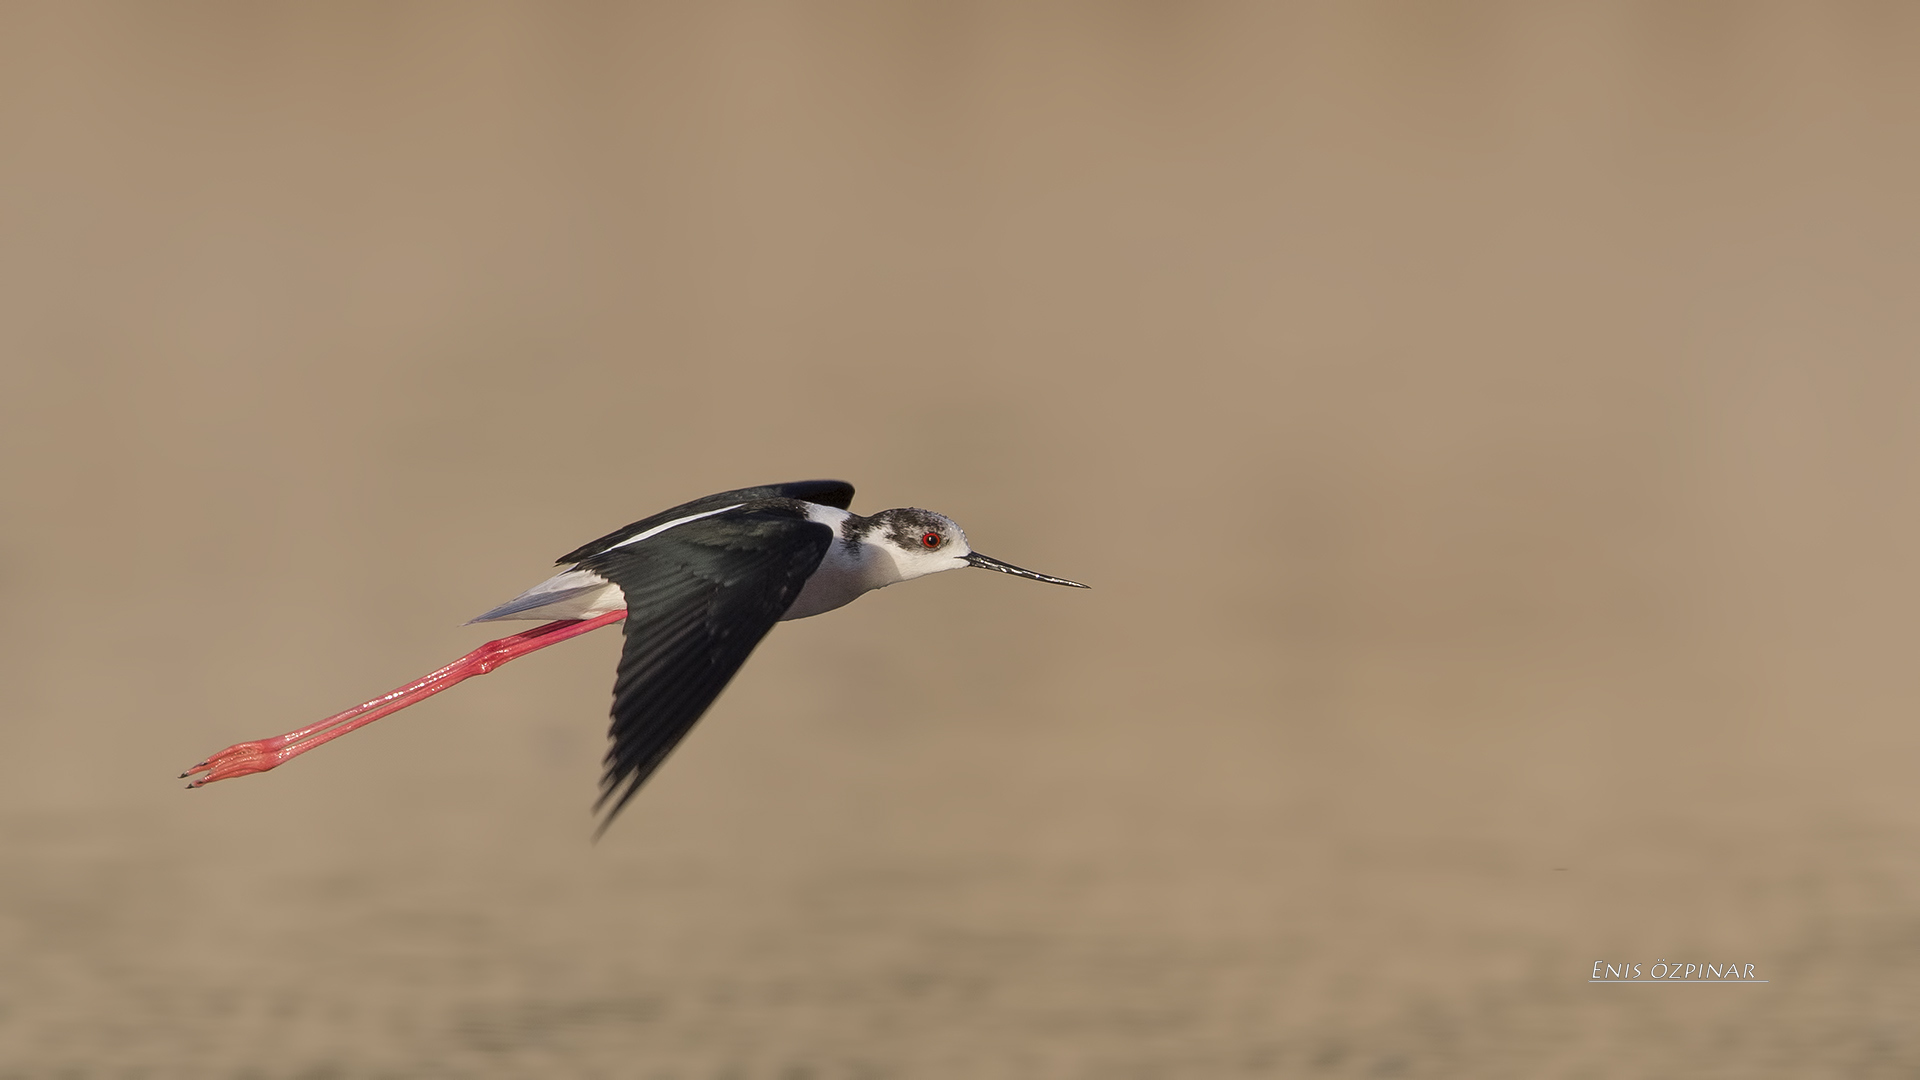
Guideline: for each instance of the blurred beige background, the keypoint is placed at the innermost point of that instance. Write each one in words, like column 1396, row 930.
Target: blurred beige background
column 1490, row 434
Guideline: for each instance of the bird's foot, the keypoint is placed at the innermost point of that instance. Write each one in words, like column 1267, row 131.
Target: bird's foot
column 241, row 759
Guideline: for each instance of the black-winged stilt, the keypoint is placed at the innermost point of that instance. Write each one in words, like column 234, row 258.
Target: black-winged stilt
column 697, row 586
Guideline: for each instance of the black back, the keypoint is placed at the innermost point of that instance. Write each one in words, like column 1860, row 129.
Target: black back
column 699, row 596
column 825, row 492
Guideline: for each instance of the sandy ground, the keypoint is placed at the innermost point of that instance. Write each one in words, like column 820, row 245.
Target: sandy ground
column 1491, row 436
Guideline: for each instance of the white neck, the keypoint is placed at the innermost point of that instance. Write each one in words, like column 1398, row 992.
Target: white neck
column 847, row 571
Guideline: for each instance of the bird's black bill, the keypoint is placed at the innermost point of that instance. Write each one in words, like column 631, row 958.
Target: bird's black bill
column 984, row 563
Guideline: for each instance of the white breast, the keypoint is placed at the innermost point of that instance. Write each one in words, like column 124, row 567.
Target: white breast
column 847, row 571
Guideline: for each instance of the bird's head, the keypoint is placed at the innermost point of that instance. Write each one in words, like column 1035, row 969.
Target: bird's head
column 921, row 542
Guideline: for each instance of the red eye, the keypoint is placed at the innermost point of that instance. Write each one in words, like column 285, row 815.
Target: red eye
column 932, row 540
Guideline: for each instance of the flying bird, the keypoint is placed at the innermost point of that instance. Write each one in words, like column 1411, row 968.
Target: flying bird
column 696, row 588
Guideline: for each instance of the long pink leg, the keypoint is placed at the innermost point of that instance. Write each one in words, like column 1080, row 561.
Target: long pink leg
column 263, row 754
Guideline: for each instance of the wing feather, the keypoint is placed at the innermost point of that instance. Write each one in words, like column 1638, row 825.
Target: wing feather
column 825, row 492
column 700, row 596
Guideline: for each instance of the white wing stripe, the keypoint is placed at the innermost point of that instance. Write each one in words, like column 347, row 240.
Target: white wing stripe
column 658, row 529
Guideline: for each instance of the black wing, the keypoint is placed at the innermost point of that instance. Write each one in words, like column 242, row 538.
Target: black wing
column 825, row 492
column 700, row 596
